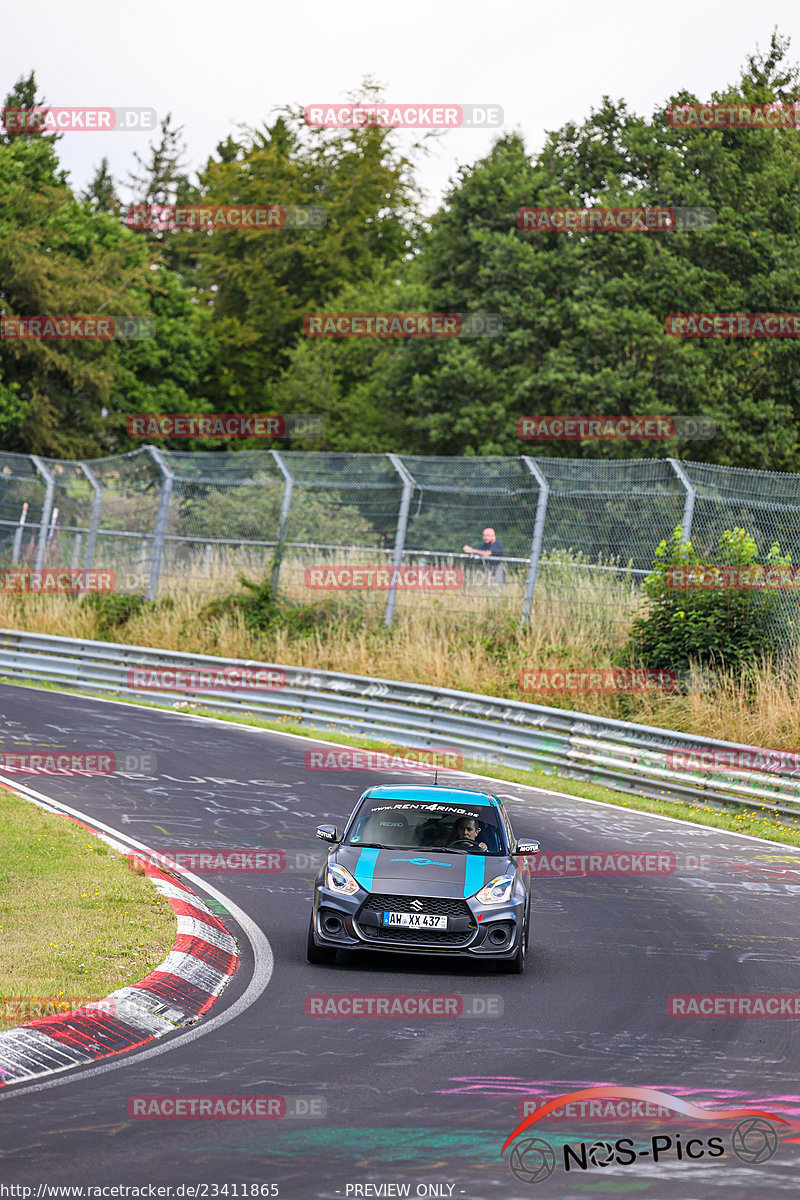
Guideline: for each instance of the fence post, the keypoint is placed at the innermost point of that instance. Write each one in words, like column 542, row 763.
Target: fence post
column 283, row 519
column 160, row 532
column 691, row 496
column 18, row 532
column 47, row 508
column 94, row 520
column 538, row 534
column 409, row 484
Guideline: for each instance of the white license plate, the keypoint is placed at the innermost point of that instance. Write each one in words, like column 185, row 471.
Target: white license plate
column 416, row 920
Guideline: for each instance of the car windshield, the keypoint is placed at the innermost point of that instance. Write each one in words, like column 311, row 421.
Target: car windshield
column 421, row 825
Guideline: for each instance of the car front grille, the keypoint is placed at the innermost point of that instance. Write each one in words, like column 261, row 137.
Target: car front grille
column 432, row 905
column 437, row 906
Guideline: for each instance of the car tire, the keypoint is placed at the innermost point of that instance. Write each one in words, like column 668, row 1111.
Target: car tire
column 515, row 965
column 320, row 956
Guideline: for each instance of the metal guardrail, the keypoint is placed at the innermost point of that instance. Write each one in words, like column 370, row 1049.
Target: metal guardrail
column 617, row 754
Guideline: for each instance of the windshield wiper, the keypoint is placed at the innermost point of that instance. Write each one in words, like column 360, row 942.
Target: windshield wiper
column 376, row 846
column 446, row 849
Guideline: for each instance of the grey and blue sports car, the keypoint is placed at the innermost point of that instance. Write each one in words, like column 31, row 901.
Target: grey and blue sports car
column 423, row 870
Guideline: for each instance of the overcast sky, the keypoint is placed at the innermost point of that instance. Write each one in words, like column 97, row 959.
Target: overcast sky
column 214, row 64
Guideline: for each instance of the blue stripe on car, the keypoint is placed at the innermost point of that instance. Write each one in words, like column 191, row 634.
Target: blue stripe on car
column 365, row 867
column 473, row 874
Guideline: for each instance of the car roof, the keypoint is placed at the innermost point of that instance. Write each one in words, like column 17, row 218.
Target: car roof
column 431, row 795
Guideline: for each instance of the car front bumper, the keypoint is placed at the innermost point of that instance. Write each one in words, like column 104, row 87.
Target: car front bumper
column 490, row 931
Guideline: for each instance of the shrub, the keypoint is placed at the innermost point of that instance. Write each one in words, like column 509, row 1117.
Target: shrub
column 114, row 609
column 258, row 604
column 262, row 608
column 726, row 627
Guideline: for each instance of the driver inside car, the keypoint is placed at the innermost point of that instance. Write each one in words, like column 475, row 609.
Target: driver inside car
column 467, row 831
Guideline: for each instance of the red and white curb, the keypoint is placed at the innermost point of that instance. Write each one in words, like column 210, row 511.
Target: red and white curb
column 176, row 994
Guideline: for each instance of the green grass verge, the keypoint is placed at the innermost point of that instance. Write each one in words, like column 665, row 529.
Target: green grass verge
column 75, row 921
column 732, row 819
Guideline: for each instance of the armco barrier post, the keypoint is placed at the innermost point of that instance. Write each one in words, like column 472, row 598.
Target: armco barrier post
column 400, row 534
column 691, row 496
column 160, row 533
column 538, row 534
column 283, row 519
column 47, row 508
column 94, row 520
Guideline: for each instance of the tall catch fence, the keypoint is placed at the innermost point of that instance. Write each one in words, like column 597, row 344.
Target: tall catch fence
column 578, row 535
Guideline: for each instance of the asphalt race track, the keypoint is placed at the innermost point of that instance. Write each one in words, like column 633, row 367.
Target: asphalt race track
column 423, row 1102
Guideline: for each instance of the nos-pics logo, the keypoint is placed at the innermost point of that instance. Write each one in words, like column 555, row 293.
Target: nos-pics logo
column 754, row 1140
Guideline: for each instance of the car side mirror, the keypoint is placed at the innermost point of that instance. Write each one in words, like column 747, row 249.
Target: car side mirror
column 526, row 848
column 328, row 833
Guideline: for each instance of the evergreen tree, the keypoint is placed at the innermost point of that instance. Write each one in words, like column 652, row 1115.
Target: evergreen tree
column 101, row 193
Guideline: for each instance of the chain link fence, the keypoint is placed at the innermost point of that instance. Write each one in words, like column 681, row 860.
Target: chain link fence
column 578, row 535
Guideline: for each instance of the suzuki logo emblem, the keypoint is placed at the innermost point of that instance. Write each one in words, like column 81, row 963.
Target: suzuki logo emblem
column 416, row 904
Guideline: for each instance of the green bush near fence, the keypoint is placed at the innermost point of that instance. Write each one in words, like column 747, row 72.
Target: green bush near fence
column 262, row 608
column 115, row 609
column 711, row 617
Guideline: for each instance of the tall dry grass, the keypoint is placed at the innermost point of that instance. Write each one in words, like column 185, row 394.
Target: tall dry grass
column 470, row 641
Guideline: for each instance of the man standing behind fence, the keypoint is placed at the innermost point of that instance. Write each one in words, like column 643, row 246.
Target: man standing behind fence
column 493, row 554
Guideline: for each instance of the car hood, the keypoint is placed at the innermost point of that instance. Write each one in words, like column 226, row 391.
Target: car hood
column 422, row 873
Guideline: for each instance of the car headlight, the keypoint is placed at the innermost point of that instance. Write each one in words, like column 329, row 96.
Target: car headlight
column 338, row 879
column 496, row 892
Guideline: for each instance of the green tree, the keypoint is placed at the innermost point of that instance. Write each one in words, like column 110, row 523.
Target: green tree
column 259, row 286
column 162, row 175
column 101, row 193
column 24, row 94
column 62, row 257
column 584, row 314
